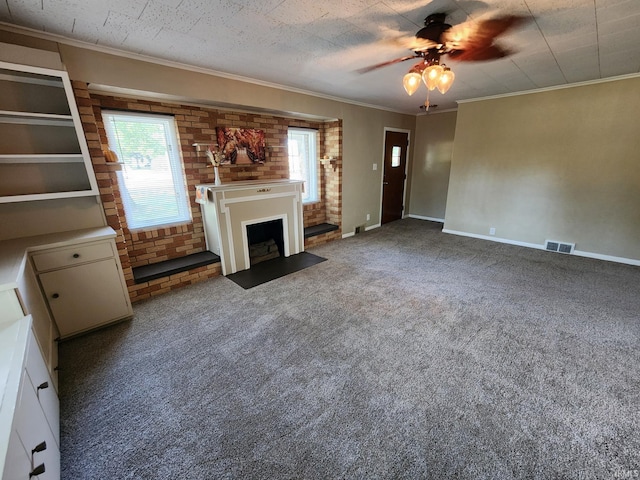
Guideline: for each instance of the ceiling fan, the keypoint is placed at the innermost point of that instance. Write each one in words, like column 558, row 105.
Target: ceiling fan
column 471, row 41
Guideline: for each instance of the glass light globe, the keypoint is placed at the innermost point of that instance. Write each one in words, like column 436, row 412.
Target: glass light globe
column 411, row 82
column 431, row 76
column 446, row 80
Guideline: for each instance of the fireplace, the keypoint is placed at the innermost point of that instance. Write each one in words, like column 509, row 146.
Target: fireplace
column 232, row 212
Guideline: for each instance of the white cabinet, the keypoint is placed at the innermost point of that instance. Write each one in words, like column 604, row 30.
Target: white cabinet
column 83, row 285
column 43, row 151
column 83, row 269
column 34, row 443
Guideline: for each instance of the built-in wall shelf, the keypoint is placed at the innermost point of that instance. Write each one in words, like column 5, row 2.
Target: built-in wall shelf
column 43, row 151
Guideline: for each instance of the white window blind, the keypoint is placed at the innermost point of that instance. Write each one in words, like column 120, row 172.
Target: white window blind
column 152, row 181
column 303, row 163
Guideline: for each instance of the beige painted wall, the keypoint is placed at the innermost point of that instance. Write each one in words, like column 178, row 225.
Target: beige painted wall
column 26, row 219
column 431, row 164
column 363, row 127
column 561, row 165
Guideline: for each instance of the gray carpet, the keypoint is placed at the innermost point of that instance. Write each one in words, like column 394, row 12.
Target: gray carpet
column 409, row 353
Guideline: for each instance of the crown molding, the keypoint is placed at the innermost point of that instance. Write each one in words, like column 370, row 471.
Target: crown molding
column 553, row 88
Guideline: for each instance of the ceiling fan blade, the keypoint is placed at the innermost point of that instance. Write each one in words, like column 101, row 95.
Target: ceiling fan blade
column 497, row 26
column 480, row 34
column 385, row 64
column 479, row 53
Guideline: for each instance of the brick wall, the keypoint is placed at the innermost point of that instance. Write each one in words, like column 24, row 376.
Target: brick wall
column 105, row 174
column 329, row 210
column 197, row 125
column 333, row 172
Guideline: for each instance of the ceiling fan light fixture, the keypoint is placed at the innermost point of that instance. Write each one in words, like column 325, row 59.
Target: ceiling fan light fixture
column 411, row 82
column 471, row 41
column 446, row 80
column 431, row 75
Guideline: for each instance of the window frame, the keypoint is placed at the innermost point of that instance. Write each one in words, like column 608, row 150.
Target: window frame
column 312, row 184
column 176, row 166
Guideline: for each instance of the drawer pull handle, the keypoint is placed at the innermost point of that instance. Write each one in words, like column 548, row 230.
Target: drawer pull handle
column 39, row 470
column 55, row 295
column 42, row 386
column 76, row 255
column 39, row 448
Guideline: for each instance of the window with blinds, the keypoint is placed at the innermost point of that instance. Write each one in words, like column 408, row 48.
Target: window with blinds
column 152, row 180
column 303, row 163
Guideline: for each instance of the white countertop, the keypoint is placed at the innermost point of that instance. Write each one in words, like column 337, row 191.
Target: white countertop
column 13, row 253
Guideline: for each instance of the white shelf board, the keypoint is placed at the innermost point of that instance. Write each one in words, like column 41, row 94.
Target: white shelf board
column 53, row 119
column 48, row 196
column 31, row 78
column 43, row 158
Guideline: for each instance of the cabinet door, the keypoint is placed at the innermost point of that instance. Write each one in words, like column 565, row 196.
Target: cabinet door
column 42, row 324
column 85, row 296
column 17, row 464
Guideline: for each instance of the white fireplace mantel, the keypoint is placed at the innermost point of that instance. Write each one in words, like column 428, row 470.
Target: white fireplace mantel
column 228, row 209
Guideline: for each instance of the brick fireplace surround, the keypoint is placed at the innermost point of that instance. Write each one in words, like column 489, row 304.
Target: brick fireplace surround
column 197, row 125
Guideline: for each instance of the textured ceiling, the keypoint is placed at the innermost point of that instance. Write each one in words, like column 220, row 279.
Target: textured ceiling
column 317, row 45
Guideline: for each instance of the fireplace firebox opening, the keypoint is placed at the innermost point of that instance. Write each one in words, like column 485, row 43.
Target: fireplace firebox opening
column 266, row 241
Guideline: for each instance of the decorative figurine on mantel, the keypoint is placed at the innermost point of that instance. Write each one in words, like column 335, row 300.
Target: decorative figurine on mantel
column 215, row 157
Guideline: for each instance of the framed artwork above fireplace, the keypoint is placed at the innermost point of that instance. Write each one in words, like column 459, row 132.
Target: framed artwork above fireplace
column 241, row 146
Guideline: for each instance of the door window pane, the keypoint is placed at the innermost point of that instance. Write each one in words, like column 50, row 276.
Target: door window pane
column 395, row 156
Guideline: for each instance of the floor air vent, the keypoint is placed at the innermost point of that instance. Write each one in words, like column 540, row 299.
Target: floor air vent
column 553, row 246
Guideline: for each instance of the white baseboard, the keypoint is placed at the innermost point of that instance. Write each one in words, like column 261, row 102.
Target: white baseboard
column 598, row 256
column 421, row 217
column 366, row 229
column 494, row 239
column 608, row 258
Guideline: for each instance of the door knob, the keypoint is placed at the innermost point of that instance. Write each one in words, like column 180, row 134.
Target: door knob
column 42, row 386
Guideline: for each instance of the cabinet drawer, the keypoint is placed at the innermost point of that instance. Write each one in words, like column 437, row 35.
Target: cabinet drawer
column 67, row 256
column 38, row 379
column 32, row 429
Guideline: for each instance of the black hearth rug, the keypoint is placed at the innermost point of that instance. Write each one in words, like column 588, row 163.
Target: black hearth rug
column 271, row 269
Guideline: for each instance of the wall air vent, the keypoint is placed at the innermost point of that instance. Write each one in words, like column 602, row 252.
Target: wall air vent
column 552, row 246
column 560, row 247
